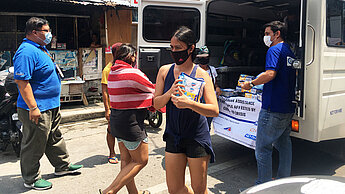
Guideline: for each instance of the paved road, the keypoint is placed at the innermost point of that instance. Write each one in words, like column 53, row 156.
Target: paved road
column 235, row 165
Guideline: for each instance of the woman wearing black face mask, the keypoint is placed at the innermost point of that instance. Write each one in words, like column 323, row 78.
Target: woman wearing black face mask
column 203, row 59
column 186, row 135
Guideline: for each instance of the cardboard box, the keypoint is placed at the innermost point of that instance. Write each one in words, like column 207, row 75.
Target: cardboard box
column 75, row 89
column 193, row 86
column 64, row 89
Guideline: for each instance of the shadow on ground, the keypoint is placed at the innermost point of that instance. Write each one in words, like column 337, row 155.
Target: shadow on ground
column 14, row 183
column 8, row 156
column 152, row 130
column 308, row 159
column 96, row 160
column 239, row 176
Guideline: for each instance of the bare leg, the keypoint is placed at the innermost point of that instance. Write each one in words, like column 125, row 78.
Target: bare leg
column 198, row 172
column 110, row 142
column 139, row 159
column 175, row 165
column 126, row 159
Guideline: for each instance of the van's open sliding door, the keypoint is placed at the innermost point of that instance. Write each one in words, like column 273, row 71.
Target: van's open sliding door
column 238, row 24
column 301, row 62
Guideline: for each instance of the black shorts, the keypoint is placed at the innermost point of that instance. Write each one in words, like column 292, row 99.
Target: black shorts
column 128, row 124
column 190, row 147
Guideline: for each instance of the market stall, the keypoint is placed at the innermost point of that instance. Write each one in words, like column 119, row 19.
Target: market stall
column 82, row 70
column 71, row 85
column 81, row 32
column 91, row 61
column 72, row 27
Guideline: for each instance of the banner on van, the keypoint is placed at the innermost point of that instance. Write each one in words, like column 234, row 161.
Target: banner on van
column 237, row 120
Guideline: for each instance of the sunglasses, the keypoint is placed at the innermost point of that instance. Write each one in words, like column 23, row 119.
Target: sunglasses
column 43, row 30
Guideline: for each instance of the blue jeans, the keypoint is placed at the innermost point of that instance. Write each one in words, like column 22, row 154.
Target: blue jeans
column 273, row 130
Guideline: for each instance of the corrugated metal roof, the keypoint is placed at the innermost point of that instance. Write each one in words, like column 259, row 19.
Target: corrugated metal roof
column 111, row 3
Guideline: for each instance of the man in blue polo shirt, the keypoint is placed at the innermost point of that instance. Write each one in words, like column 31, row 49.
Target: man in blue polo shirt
column 274, row 124
column 38, row 105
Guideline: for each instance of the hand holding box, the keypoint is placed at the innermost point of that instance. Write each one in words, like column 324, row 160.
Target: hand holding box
column 193, row 87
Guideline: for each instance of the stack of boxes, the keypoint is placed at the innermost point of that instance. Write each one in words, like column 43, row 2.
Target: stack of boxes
column 229, row 92
column 254, row 93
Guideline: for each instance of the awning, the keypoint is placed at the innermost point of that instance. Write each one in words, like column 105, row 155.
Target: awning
column 110, row 3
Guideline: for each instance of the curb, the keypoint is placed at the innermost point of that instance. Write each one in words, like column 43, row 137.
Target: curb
column 69, row 115
column 81, row 117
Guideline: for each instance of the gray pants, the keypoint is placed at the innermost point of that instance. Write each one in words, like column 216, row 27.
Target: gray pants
column 43, row 138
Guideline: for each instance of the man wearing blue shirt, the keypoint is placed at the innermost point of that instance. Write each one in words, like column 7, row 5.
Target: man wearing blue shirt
column 38, row 105
column 274, row 124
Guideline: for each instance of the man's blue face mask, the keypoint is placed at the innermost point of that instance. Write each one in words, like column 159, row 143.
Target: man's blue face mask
column 48, row 37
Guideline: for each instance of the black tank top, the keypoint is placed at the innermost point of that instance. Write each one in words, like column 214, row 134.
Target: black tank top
column 185, row 123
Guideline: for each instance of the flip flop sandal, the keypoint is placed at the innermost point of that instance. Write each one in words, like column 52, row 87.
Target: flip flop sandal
column 113, row 160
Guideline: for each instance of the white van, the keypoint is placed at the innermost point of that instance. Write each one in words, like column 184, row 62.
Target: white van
column 316, row 33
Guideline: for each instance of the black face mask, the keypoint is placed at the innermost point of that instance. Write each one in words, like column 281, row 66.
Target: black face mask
column 180, row 56
column 202, row 60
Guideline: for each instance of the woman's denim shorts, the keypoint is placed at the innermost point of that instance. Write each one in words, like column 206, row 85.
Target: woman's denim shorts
column 132, row 145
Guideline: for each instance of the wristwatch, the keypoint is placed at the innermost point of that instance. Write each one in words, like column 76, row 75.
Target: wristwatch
column 251, row 84
column 34, row 108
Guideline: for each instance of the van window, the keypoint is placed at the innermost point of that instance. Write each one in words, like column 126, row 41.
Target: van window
column 223, row 27
column 335, row 23
column 157, row 18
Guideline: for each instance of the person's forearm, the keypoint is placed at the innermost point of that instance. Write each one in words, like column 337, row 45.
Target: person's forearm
column 208, row 110
column 267, row 76
column 26, row 92
column 106, row 101
column 160, row 101
column 105, row 97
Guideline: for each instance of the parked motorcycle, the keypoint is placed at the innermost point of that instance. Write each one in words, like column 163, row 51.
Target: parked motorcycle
column 155, row 117
column 10, row 126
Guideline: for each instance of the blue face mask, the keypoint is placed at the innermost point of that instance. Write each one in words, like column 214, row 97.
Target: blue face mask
column 49, row 37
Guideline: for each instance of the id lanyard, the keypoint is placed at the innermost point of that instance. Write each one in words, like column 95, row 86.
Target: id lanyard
column 56, row 65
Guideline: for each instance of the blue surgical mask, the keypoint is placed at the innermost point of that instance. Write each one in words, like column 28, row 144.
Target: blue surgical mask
column 48, row 38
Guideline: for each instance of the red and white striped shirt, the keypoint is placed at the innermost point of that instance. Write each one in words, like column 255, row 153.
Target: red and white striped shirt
column 128, row 87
